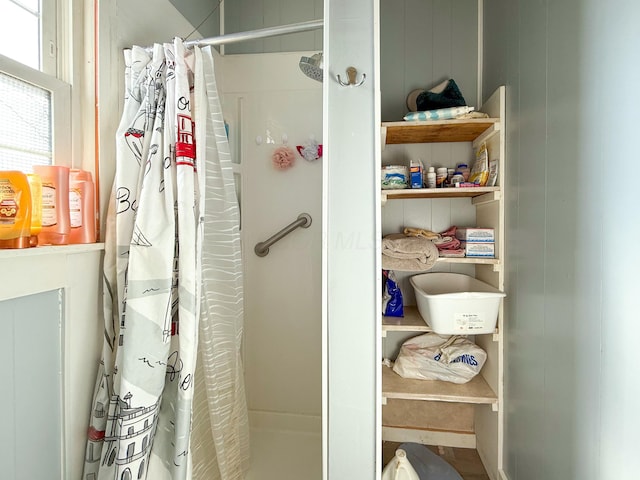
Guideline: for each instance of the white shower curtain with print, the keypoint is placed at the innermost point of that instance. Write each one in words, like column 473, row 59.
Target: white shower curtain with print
column 169, row 401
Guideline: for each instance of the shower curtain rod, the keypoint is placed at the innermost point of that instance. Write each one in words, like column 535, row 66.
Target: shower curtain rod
column 255, row 34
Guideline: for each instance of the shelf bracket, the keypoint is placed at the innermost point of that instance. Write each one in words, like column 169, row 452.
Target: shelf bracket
column 494, row 407
column 486, row 198
column 486, row 135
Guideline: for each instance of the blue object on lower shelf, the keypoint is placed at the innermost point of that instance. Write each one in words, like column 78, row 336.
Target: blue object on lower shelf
column 427, row 464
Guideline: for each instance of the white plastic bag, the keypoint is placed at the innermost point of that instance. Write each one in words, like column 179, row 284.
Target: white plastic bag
column 433, row 357
column 399, row 468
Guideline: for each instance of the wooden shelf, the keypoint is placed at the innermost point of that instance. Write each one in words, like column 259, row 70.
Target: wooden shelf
column 469, row 260
column 453, row 192
column 411, row 322
column 436, row 130
column 476, row 391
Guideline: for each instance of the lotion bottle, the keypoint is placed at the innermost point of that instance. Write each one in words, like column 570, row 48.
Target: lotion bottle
column 55, row 204
column 81, row 207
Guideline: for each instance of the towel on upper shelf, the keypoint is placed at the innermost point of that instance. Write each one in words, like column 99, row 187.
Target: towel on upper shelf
column 412, row 254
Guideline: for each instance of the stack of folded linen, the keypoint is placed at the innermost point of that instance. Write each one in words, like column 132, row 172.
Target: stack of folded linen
column 446, row 242
column 408, row 253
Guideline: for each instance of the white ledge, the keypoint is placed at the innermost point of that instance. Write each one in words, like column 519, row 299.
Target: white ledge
column 50, row 250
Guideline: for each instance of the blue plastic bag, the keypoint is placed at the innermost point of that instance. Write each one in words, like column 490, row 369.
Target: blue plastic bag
column 391, row 295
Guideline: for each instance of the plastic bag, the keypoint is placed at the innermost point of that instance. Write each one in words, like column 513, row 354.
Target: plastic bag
column 480, row 170
column 433, row 357
column 391, row 296
column 427, row 464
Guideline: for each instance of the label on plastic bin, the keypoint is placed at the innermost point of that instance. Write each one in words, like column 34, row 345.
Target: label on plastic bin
column 468, row 321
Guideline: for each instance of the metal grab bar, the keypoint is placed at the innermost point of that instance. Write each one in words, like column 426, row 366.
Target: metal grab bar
column 262, row 248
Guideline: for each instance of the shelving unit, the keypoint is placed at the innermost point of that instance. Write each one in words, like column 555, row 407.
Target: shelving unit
column 432, row 131
column 476, row 391
column 443, row 413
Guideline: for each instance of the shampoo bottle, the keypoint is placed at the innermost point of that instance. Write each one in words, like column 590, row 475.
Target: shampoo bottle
column 55, row 204
column 81, row 207
column 15, row 210
column 35, row 183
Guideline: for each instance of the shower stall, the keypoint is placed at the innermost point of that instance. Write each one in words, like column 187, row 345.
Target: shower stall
column 269, row 104
column 272, row 101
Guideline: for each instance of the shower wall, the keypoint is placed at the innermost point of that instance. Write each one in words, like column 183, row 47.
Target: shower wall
column 268, row 104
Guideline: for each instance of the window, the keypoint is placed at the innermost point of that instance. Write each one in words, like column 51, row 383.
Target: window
column 33, row 23
column 34, row 105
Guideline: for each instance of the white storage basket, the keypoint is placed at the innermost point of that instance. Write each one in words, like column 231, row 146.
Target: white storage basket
column 456, row 304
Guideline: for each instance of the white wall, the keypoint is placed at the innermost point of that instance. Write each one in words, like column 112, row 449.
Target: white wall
column 571, row 70
column 423, row 43
column 243, row 15
column 267, row 96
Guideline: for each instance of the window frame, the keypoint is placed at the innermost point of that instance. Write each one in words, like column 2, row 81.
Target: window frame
column 60, row 106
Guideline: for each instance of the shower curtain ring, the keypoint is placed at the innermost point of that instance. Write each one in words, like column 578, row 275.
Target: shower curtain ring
column 351, row 75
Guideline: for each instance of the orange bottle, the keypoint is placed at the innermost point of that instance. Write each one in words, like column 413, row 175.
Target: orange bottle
column 15, row 210
column 35, row 184
column 82, row 209
column 55, row 204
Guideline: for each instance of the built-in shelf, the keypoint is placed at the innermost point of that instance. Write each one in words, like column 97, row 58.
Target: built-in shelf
column 411, row 322
column 51, row 250
column 476, row 391
column 435, row 131
column 453, row 192
column 469, row 260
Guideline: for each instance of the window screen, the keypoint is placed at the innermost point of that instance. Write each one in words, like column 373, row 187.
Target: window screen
column 25, row 125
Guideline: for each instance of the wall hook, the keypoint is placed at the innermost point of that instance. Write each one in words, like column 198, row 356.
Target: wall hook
column 351, row 76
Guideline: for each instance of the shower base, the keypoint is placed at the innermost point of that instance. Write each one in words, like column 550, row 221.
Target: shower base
column 285, row 446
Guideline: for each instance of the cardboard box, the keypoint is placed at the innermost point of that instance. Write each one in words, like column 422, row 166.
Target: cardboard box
column 475, row 235
column 478, row 249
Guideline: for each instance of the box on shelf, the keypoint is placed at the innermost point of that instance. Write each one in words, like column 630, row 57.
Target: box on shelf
column 475, row 234
column 482, row 249
column 456, row 304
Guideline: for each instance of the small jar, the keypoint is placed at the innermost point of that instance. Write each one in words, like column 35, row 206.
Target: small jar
column 441, row 177
column 457, row 179
column 465, row 170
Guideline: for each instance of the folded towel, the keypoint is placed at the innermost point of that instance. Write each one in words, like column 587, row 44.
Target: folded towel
column 420, row 232
column 400, row 252
column 447, row 243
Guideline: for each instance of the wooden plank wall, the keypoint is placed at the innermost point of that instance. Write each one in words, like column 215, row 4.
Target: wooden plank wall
column 423, row 42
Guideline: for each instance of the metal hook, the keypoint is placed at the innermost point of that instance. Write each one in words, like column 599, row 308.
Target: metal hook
column 351, row 74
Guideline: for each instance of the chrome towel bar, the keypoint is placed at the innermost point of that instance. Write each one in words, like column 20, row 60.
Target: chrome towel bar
column 262, row 248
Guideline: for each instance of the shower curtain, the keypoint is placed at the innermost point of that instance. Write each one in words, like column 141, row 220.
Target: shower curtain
column 169, row 400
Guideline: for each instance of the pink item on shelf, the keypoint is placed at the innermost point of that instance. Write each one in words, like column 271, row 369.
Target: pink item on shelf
column 448, row 245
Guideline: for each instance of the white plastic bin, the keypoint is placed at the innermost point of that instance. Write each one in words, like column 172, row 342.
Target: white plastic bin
column 456, row 304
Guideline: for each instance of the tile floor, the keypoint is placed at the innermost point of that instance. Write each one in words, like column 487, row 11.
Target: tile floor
column 278, row 455
column 466, row 461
